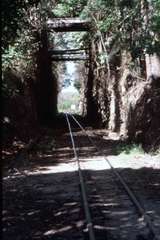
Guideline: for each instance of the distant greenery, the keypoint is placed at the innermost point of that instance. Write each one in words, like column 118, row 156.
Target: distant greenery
column 66, row 102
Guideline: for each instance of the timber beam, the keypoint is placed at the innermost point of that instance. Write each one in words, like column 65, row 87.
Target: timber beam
column 59, row 59
column 68, row 25
column 68, row 51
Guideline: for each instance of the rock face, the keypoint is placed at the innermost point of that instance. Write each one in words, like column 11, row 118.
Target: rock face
column 128, row 100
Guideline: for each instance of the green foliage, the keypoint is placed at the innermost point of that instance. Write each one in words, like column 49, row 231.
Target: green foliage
column 105, row 25
column 77, row 39
column 102, row 58
column 14, row 19
column 155, row 27
column 130, row 149
column 69, row 8
column 12, row 12
column 19, row 43
column 61, row 10
column 8, row 63
column 123, row 20
column 17, row 67
column 119, row 21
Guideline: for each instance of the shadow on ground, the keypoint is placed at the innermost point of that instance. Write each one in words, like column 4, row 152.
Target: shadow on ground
column 48, row 206
column 55, row 147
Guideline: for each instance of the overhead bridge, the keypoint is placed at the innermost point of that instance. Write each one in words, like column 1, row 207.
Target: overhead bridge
column 46, row 89
column 68, row 25
column 69, row 55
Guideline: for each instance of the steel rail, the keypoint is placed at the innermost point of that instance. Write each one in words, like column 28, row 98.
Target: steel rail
column 130, row 192
column 83, row 188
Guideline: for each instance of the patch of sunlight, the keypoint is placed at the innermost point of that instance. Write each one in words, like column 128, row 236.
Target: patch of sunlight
column 156, row 184
column 54, row 231
column 87, row 148
column 123, row 160
column 45, row 155
column 79, row 223
column 60, row 213
column 64, row 149
column 98, row 163
column 70, row 204
column 104, row 204
column 6, row 120
column 94, row 163
column 136, row 161
column 60, row 168
column 100, row 227
column 32, row 213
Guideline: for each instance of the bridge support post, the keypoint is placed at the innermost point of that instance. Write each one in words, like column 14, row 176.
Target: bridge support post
column 46, row 83
column 91, row 104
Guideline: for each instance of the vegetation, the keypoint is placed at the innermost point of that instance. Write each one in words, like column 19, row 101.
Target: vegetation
column 66, row 106
column 69, row 102
column 124, row 45
column 117, row 21
column 117, row 89
column 129, row 149
column 70, row 8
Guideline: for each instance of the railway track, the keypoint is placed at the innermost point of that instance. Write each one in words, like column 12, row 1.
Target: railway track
column 100, row 223
column 63, row 205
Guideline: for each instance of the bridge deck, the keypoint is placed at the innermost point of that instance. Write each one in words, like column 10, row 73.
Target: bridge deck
column 68, row 25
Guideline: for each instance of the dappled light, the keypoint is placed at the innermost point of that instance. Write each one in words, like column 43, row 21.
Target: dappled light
column 61, row 210
column 48, row 189
column 81, row 120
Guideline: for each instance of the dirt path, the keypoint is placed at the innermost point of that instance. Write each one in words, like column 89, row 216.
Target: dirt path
column 41, row 200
